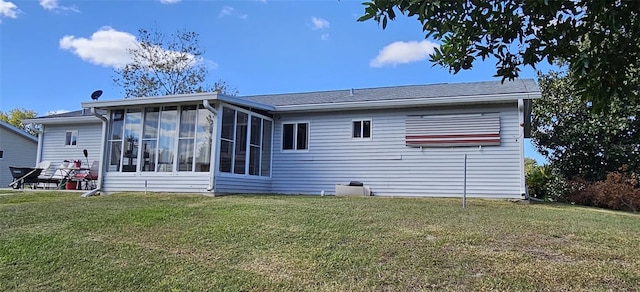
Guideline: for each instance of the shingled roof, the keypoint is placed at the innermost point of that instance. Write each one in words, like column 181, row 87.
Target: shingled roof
column 72, row 114
column 470, row 89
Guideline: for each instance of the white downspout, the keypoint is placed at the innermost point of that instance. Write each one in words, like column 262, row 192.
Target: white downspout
column 40, row 141
column 214, row 139
column 521, row 110
column 102, row 158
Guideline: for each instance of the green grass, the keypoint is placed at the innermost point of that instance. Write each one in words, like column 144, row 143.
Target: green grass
column 124, row 242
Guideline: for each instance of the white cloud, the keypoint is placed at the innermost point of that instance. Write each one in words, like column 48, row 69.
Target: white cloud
column 403, row 52
column 169, row 1
column 106, row 47
column 109, row 47
column 230, row 11
column 8, row 9
column 262, row 1
column 58, row 111
column 324, row 36
column 319, row 23
column 53, row 5
column 227, row 10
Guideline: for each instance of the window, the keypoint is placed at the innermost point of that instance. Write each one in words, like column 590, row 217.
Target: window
column 245, row 143
column 295, row 136
column 160, row 139
column 361, row 129
column 1, row 154
column 71, row 138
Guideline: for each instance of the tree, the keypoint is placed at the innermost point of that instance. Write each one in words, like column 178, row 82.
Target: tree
column 15, row 118
column 166, row 65
column 599, row 39
column 579, row 141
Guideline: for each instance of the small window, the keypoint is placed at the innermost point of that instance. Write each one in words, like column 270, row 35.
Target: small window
column 295, row 136
column 71, row 138
column 361, row 129
column 1, row 154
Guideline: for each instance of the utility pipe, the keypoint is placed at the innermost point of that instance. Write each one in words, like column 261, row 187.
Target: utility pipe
column 102, row 158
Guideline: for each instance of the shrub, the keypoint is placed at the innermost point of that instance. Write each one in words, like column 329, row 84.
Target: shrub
column 544, row 182
column 537, row 178
column 619, row 191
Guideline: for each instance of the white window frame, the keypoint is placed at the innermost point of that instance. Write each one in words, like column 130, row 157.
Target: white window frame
column 362, row 129
column 233, row 152
column 295, row 136
column 74, row 133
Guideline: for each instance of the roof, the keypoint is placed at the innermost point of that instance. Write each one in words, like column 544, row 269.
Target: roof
column 350, row 99
column 429, row 91
column 19, row 132
column 174, row 99
column 82, row 115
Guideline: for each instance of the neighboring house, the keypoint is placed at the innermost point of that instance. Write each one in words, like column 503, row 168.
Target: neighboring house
column 17, row 148
column 64, row 137
column 399, row 141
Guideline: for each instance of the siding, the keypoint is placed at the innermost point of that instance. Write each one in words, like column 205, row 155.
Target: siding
column 391, row 168
column 89, row 137
column 18, row 151
column 178, row 182
column 228, row 183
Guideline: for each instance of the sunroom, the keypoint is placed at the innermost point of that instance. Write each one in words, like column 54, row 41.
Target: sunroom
column 186, row 143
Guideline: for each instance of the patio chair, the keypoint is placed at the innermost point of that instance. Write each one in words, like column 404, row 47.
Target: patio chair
column 49, row 175
column 89, row 178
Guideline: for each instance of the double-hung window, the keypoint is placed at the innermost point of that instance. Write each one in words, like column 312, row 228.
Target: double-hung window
column 295, row 136
column 361, row 129
column 71, row 138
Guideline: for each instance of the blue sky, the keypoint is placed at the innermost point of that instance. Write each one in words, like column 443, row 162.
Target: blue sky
column 54, row 53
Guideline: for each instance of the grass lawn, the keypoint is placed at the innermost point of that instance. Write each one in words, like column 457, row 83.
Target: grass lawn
column 59, row 241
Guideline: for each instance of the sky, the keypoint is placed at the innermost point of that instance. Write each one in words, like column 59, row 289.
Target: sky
column 55, row 53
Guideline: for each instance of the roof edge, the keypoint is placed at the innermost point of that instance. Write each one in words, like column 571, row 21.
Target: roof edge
column 62, row 120
column 141, row 101
column 18, row 131
column 400, row 103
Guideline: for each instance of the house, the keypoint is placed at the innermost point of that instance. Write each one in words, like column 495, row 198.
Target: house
column 399, row 141
column 64, row 136
column 17, row 148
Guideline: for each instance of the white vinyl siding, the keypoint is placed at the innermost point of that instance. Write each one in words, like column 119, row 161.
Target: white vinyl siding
column 89, row 137
column 177, row 182
column 17, row 150
column 391, row 168
column 242, row 184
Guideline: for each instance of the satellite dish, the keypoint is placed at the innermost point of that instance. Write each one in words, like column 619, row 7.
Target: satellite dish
column 96, row 94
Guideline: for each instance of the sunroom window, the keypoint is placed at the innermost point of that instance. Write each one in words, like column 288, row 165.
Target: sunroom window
column 160, row 139
column 245, row 143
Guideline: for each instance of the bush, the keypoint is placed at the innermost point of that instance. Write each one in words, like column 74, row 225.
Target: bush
column 537, row 178
column 544, row 182
column 619, row 191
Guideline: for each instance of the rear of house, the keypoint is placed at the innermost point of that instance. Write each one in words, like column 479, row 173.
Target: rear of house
column 375, row 147
column 64, row 137
column 399, row 141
